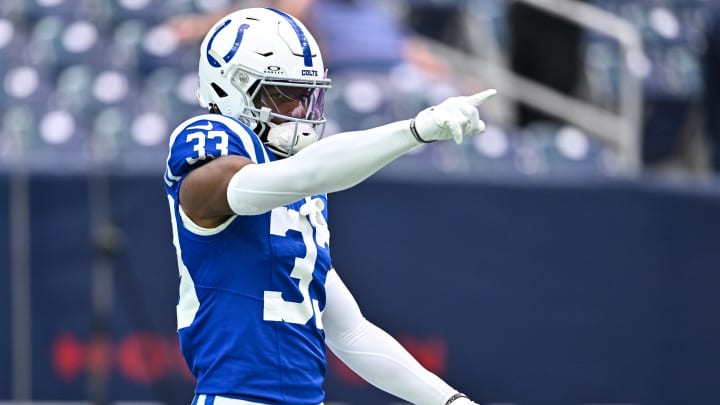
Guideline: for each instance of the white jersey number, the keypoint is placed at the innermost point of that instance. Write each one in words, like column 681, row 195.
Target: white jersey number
column 199, row 140
column 275, row 307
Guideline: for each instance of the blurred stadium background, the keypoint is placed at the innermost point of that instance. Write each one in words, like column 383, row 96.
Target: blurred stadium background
column 575, row 243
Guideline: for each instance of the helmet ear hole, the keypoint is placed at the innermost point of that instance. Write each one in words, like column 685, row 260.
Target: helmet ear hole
column 214, row 109
column 218, row 90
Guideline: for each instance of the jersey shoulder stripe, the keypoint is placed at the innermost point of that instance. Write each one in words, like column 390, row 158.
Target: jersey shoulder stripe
column 258, row 153
column 200, row 139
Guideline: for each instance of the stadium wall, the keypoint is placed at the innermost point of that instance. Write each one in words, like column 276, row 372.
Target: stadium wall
column 523, row 293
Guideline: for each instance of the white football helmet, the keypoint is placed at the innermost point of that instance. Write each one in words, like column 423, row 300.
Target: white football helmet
column 263, row 67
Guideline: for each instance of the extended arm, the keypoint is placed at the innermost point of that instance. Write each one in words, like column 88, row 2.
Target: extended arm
column 341, row 161
column 333, row 164
column 233, row 185
column 375, row 355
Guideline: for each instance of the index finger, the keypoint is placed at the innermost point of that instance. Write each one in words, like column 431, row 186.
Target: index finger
column 479, row 98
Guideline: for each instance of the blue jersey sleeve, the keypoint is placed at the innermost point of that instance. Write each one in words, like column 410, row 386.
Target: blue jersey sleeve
column 206, row 137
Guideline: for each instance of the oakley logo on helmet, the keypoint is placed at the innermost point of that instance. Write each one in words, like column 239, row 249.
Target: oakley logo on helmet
column 274, row 70
column 238, row 39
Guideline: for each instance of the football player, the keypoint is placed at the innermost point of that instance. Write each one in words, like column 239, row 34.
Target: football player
column 247, row 182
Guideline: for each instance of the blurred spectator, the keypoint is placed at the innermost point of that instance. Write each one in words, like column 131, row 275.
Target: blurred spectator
column 440, row 20
column 193, row 27
column 354, row 35
column 376, row 37
column 546, row 49
column 380, row 72
column 712, row 86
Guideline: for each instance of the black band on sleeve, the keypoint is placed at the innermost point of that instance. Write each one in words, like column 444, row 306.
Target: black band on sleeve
column 454, row 397
column 417, row 137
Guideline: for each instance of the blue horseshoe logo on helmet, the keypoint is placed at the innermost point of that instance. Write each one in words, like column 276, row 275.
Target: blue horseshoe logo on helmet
column 307, row 54
column 238, row 39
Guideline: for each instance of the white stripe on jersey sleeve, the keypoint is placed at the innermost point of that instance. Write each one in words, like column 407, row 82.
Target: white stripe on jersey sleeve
column 241, row 131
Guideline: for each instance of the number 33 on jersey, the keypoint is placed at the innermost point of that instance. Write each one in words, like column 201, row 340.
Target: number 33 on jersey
column 282, row 220
column 292, row 259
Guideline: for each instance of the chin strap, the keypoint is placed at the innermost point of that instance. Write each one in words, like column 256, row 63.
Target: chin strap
column 264, row 115
column 289, row 138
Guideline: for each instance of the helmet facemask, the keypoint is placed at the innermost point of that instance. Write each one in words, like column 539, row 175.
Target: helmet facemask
column 288, row 115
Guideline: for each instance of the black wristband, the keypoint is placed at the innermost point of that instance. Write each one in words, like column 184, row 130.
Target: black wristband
column 454, row 397
column 417, row 136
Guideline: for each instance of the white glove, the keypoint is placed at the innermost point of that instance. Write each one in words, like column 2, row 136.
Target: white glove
column 454, row 118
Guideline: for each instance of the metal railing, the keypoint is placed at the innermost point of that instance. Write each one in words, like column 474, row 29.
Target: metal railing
column 620, row 131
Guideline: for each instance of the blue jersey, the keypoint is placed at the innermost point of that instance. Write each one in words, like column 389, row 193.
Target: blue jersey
column 251, row 290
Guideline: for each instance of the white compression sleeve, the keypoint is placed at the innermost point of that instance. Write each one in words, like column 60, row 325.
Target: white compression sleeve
column 332, row 164
column 375, row 355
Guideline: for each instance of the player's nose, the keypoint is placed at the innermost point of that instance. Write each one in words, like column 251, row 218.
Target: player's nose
column 297, row 110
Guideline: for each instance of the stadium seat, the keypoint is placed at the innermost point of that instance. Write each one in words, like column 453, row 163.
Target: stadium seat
column 566, row 151
column 152, row 11
column 12, row 9
column 46, row 139
column 172, row 92
column 160, row 48
column 81, row 41
column 13, row 40
column 124, row 43
column 33, row 10
column 492, row 14
column 494, row 152
column 670, row 69
column 56, row 42
column 363, row 100
column 17, row 126
column 24, row 84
